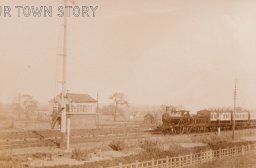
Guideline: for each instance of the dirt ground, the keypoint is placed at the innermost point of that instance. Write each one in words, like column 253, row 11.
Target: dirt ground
column 101, row 150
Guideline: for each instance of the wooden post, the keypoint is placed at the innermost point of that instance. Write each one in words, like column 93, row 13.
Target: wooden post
column 234, row 111
column 64, row 91
column 211, row 153
column 137, row 164
column 191, row 158
column 235, row 150
column 201, row 158
column 153, row 163
column 179, row 161
column 97, row 112
column 120, row 165
column 68, row 133
column 167, row 161
column 242, row 149
column 218, row 131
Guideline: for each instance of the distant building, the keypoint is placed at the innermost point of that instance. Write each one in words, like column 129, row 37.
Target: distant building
column 149, row 119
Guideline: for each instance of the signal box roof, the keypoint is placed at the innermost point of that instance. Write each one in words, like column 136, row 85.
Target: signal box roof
column 80, row 98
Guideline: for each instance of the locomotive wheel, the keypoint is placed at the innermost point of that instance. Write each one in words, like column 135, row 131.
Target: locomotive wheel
column 180, row 130
column 188, row 130
column 181, row 127
column 171, row 131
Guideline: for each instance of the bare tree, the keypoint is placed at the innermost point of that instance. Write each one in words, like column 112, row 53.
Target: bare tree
column 24, row 104
column 119, row 99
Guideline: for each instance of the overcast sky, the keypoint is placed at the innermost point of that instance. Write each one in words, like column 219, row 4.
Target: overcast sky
column 183, row 52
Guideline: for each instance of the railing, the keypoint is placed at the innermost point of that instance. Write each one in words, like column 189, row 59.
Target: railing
column 191, row 159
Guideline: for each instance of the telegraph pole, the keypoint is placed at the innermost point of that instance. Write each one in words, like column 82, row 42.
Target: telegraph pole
column 64, row 89
column 234, row 111
column 97, row 112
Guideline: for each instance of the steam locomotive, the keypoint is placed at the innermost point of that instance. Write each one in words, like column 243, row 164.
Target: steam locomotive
column 179, row 122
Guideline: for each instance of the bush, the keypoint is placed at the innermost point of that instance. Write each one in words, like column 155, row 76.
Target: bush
column 117, row 145
column 176, row 148
column 150, row 146
column 47, row 156
column 78, row 154
column 209, row 138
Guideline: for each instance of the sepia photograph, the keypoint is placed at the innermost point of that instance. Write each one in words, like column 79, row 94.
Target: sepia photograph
column 127, row 84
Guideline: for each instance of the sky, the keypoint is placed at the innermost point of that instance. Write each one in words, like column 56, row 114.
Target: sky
column 179, row 52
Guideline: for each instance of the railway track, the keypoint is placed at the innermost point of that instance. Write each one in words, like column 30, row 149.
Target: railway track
column 40, row 138
column 44, row 138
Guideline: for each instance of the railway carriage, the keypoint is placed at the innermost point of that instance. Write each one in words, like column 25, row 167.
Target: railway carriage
column 224, row 119
column 252, row 119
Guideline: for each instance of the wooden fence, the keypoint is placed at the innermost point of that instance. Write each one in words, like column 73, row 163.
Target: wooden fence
column 191, row 159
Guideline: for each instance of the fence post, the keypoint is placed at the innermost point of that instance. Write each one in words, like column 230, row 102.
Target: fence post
column 219, row 153
column 137, row 164
column 153, row 163
column 201, row 158
column 191, row 158
column 120, row 165
column 249, row 147
column 167, row 161
column 235, row 153
column 242, row 149
column 179, row 161
column 211, row 153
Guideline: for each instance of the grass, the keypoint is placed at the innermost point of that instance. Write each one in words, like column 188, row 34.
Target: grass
column 150, row 146
column 12, row 125
column 5, row 157
column 223, row 141
column 117, row 145
column 79, row 154
column 246, row 161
